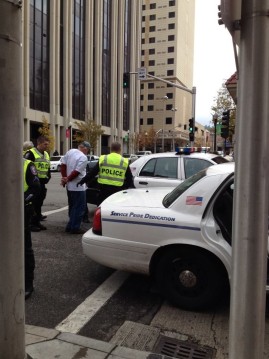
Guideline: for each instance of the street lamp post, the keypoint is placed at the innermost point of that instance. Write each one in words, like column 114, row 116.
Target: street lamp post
column 215, row 120
column 164, row 98
column 173, row 133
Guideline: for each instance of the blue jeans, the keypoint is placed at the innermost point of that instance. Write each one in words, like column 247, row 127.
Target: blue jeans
column 77, row 203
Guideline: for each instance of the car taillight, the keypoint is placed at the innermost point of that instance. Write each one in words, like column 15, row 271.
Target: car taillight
column 97, row 222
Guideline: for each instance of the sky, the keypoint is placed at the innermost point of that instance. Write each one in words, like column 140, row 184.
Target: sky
column 213, row 57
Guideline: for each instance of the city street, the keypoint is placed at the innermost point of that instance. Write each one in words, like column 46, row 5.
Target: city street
column 74, row 294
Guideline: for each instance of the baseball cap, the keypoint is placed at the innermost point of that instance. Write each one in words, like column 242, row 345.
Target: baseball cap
column 86, row 144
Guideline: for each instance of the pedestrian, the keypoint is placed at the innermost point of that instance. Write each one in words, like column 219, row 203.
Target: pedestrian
column 41, row 159
column 113, row 172
column 27, row 145
column 73, row 169
column 31, row 190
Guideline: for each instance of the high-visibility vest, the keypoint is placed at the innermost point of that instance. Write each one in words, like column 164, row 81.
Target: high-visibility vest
column 42, row 162
column 112, row 169
column 25, row 165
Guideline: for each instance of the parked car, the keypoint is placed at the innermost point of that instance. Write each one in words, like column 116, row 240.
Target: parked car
column 182, row 237
column 55, row 163
column 170, row 168
column 131, row 157
column 143, row 153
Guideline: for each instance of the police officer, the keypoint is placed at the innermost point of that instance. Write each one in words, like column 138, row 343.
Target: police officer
column 31, row 189
column 41, row 159
column 113, row 172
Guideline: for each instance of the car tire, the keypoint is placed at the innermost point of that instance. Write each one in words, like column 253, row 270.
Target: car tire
column 190, row 278
column 59, row 168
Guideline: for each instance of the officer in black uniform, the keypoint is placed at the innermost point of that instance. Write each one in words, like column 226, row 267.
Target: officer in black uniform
column 31, row 190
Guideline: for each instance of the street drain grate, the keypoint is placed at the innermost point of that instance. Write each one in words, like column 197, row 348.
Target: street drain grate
column 181, row 349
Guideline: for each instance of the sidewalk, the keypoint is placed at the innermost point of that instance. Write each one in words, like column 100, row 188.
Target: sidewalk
column 42, row 343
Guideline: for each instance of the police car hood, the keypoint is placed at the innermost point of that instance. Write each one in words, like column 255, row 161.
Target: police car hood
column 138, row 197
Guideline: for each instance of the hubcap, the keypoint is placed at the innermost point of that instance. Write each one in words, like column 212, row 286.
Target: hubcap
column 188, row 279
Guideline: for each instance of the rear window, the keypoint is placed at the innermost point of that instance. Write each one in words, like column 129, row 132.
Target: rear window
column 55, row 158
column 182, row 187
column 166, row 167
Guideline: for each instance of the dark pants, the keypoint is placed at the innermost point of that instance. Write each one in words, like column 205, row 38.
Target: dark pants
column 29, row 257
column 38, row 203
column 106, row 191
column 76, row 210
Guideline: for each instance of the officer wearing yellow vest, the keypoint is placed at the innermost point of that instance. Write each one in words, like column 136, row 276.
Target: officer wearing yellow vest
column 41, row 159
column 113, row 172
column 31, row 189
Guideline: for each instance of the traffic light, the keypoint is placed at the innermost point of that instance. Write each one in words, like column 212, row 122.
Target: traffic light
column 191, row 129
column 225, row 122
column 191, row 125
column 126, row 77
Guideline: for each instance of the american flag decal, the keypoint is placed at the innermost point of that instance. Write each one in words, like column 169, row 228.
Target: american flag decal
column 194, row 200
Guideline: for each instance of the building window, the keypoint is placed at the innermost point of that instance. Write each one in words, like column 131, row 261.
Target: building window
column 143, row 18
column 171, row 14
column 142, row 86
column 171, row 37
column 168, row 121
column 143, row 41
column 152, row 17
column 78, row 85
column 141, row 97
column 151, row 62
column 169, row 107
column 152, row 6
column 152, row 40
column 171, row 26
column 142, row 63
column 150, row 121
column 143, row 29
column 170, row 49
column 152, row 28
column 169, row 95
column 143, row 7
column 150, row 108
column 170, row 61
column 141, row 108
column 151, row 51
column 151, row 85
column 151, row 73
column 141, row 121
column 151, row 96
column 170, row 72
column 142, row 52
column 172, row 3
column 39, row 55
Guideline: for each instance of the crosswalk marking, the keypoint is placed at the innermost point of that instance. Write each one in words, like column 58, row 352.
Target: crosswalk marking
column 87, row 309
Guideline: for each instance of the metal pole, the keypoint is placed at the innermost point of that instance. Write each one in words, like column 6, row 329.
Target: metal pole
column 164, row 98
column 12, row 335
column 250, row 229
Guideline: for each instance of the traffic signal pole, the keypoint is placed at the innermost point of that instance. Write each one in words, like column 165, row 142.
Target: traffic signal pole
column 250, row 217
column 12, row 336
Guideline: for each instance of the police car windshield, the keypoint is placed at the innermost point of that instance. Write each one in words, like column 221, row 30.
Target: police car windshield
column 182, row 187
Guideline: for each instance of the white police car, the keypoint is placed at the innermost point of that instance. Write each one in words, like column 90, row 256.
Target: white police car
column 171, row 168
column 181, row 237
column 55, row 163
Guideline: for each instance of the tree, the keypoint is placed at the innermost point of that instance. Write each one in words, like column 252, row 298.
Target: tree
column 88, row 131
column 224, row 102
column 46, row 131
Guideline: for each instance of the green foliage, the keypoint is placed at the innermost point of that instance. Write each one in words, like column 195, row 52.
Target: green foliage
column 46, row 131
column 88, row 131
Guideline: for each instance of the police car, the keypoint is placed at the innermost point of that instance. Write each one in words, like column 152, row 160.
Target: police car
column 180, row 237
column 171, row 168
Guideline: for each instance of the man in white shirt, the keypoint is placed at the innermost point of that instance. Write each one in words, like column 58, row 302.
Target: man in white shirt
column 73, row 169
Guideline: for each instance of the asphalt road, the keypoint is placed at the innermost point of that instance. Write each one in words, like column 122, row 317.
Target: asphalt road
column 74, row 294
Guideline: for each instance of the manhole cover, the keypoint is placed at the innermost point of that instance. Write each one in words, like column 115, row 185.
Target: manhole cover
column 182, row 349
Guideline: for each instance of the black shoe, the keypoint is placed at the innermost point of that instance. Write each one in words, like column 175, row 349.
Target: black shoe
column 28, row 292
column 42, row 218
column 35, row 228
column 41, row 226
column 77, row 231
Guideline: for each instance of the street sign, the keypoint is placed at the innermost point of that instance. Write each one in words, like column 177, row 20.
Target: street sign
column 142, row 73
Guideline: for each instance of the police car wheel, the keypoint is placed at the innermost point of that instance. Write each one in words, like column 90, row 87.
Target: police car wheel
column 191, row 278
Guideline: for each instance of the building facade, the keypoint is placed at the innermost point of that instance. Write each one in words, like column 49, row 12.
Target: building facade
column 167, row 51
column 74, row 55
